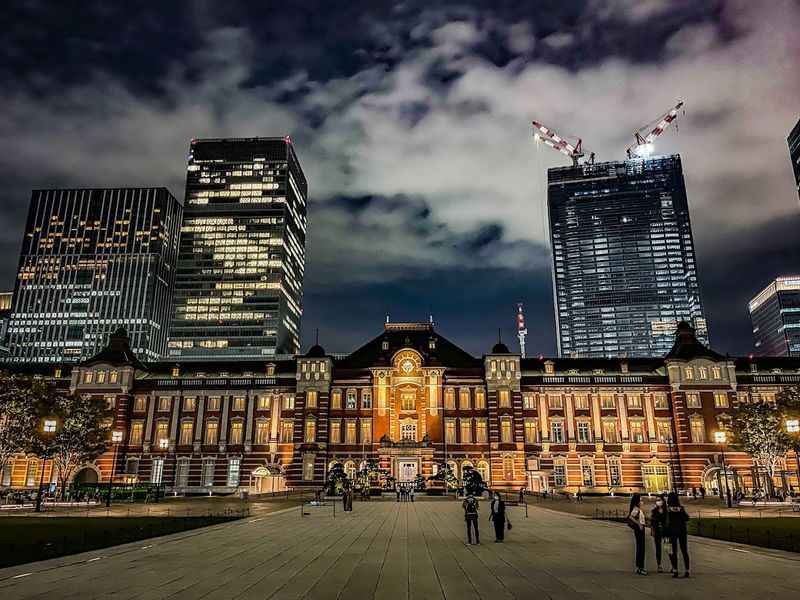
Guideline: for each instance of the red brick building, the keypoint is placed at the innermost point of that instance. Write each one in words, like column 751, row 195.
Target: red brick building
column 412, row 399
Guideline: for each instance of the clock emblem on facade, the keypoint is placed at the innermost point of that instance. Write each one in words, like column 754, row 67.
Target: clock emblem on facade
column 407, row 366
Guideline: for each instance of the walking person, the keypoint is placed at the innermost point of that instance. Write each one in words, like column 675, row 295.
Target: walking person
column 411, row 494
column 522, row 495
column 658, row 527
column 702, row 493
column 397, row 490
column 676, row 525
column 636, row 521
column 470, row 506
column 498, row 517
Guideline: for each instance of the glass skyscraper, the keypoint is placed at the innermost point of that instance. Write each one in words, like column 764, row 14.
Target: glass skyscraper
column 94, row 260
column 775, row 314
column 794, row 153
column 239, row 283
column 624, row 271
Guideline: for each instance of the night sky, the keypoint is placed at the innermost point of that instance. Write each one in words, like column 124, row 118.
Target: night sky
column 412, row 123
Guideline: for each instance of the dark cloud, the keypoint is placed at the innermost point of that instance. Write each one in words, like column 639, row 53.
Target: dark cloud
column 412, row 124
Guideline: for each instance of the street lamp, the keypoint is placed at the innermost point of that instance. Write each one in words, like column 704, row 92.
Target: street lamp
column 721, row 438
column 49, row 426
column 116, row 438
column 793, row 428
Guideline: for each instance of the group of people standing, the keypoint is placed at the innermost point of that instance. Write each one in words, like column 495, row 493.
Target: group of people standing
column 668, row 521
column 404, row 493
column 497, row 515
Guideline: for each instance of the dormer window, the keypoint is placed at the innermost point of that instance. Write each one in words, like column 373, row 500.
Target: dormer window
column 702, row 373
column 101, row 377
column 385, row 345
column 88, row 377
column 270, row 369
column 176, row 372
column 688, row 373
column 113, row 376
column 549, row 368
column 716, row 372
column 432, row 344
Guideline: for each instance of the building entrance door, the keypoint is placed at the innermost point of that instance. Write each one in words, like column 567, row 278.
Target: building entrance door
column 407, row 470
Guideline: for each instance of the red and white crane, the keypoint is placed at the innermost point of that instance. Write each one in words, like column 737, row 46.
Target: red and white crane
column 522, row 331
column 643, row 146
column 544, row 134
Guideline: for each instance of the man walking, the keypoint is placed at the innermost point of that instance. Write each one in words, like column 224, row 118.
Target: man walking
column 470, row 506
column 498, row 517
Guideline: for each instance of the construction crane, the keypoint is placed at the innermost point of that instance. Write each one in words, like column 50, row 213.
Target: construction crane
column 522, row 331
column 555, row 141
column 643, row 146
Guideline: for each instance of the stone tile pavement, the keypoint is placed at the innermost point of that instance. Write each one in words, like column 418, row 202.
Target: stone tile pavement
column 386, row 550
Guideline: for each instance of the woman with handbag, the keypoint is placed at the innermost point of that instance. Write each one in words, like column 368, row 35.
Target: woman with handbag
column 636, row 521
column 498, row 517
column 658, row 527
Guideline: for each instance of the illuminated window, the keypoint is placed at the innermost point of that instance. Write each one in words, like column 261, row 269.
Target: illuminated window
column 263, row 402
column 238, row 403
column 557, row 432
column 581, row 401
column 189, row 404
column 288, row 402
column 688, row 373
column 508, row 467
column 237, row 427
column 137, row 427
column 481, row 431
column 158, row 471
column 697, row 428
column 407, row 400
column 466, row 431
column 450, row 431
column 311, row 399
column 716, row 372
column 664, row 427
column 720, row 400
column 587, row 472
column 660, row 400
column 614, row 471
column 636, row 431
column 506, row 431
column 366, row 399
column 164, row 403
column 207, row 472
column 463, row 399
column 234, row 465
column 162, row 428
column 634, row 400
column 449, row 398
column 112, row 377
column 607, row 401
column 262, row 432
column 350, row 431
column 693, row 400
column 101, row 377
column 88, row 377
column 336, row 431
column 528, row 401
column 702, row 373
column 186, row 433
column 584, row 432
column 350, row 400
column 559, row 472
column 531, row 431
column 480, row 399
column 212, row 432
column 308, row 467
column 286, row 431
column 336, row 399
column 366, row 431
column 504, row 398
column 610, row 432
column 310, row 429
column 555, row 401
column 213, row 403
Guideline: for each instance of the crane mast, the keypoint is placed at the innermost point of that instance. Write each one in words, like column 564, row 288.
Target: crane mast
column 522, row 331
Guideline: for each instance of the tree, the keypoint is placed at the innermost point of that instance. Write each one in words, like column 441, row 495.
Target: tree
column 20, row 412
column 473, row 482
column 82, row 434
column 337, row 479
column 788, row 404
column 369, row 474
column 757, row 429
column 445, row 475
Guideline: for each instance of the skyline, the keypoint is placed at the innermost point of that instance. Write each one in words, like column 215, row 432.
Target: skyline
column 387, row 127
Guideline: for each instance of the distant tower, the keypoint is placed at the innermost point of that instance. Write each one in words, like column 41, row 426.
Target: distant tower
column 522, row 331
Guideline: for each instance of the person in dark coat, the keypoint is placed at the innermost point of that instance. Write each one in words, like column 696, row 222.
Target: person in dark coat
column 636, row 521
column 676, row 525
column 470, row 506
column 658, row 527
column 498, row 517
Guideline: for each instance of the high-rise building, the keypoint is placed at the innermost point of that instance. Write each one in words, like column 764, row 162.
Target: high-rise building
column 239, row 284
column 94, row 260
column 775, row 314
column 794, row 153
column 624, row 272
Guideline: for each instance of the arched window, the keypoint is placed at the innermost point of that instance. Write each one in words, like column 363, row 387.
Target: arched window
column 587, row 471
column 182, row 472
column 508, row 467
column 350, row 469
column 483, row 469
column 453, row 467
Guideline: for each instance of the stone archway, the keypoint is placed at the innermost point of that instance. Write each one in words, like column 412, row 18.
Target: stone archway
column 86, row 475
column 267, row 479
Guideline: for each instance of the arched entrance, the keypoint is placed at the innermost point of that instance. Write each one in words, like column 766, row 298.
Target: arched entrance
column 86, row 475
column 714, row 480
column 267, row 480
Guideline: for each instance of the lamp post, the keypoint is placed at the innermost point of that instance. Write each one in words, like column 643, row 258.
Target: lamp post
column 721, row 438
column 116, row 438
column 49, row 426
column 163, row 444
column 793, row 428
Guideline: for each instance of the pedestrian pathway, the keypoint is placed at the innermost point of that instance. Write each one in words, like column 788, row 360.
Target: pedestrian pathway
column 388, row 551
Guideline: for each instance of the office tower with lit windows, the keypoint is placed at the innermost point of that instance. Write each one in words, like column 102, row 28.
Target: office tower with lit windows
column 624, row 268
column 239, row 283
column 92, row 261
column 794, row 153
column 775, row 315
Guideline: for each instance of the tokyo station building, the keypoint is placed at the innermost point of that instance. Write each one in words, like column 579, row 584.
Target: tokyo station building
column 412, row 400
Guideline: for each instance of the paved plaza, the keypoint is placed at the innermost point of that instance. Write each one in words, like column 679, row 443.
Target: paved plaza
column 387, row 550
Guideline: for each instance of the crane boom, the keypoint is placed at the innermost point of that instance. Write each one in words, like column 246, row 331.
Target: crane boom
column 643, row 145
column 555, row 141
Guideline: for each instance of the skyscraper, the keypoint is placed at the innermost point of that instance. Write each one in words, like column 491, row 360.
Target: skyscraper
column 794, row 153
column 239, row 285
column 94, row 260
column 775, row 314
column 624, row 270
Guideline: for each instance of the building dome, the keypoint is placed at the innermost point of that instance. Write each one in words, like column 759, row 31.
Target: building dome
column 500, row 348
column 316, row 351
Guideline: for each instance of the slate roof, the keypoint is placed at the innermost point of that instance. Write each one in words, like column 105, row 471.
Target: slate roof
column 117, row 352
column 687, row 347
